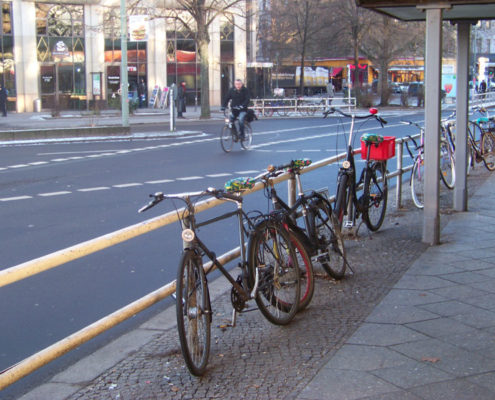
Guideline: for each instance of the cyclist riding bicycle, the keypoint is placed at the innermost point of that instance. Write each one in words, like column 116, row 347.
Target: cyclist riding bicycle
column 239, row 95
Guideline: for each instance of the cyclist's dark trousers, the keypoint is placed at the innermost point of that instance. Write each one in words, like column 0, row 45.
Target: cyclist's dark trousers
column 240, row 115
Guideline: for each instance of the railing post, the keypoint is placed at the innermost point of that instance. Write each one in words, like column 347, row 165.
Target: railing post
column 398, row 189
column 291, row 187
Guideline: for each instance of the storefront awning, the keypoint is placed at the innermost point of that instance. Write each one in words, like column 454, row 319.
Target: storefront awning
column 336, row 71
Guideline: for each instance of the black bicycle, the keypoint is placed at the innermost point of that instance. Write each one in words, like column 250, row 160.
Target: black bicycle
column 320, row 233
column 372, row 204
column 269, row 273
column 231, row 131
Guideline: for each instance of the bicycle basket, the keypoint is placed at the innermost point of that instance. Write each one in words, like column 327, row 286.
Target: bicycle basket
column 381, row 151
column 239, row 184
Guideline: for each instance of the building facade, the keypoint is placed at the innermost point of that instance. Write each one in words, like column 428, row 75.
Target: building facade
column 68, row 53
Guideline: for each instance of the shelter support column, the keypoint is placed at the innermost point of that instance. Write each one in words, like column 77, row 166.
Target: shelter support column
column 433, row 70
column 460, row 190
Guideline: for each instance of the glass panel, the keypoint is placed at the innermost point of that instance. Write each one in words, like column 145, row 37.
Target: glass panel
column 59, row 22
column 60, row 49
column 43, row 52
column 113, row 79
column 78, row 51
column 170, row 50
column 47, row 75
column 227, row 51
column 79, row 79
column 65, row 78
column 6, row 19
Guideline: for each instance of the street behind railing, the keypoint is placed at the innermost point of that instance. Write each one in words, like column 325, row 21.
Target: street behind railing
column 47, row 262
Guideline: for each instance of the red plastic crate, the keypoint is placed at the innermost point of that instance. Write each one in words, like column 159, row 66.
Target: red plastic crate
column 384, row 151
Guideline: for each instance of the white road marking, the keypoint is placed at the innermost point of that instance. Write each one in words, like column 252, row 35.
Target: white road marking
column 252, row 171
column 159, row 181
column 189, row 178
column 16, row 198
column 59, row 159
column 126, row 185
column 17, row 166
column 54, row 193
column 93, row 189
column 218, row 175
column 38, row 163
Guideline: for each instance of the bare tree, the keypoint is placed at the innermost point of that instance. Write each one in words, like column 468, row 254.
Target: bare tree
column 387, row 39
column 355, row 23
column 298, row 27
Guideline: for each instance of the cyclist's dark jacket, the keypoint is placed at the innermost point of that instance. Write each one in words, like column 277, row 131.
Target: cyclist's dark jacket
column 238, row 97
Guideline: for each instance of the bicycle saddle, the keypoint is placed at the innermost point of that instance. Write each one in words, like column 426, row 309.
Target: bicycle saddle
column 372, row 138
column 239, row 184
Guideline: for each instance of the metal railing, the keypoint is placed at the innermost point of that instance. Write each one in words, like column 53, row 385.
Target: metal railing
column 53, row 260
column 301, row 105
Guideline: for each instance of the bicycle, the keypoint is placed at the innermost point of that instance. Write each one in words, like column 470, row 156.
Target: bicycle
column 231, row 132
column 482, row 141
column 269, row 273
column 304, row 260
column 417, row 177
column 372, row 204
column 321, row 234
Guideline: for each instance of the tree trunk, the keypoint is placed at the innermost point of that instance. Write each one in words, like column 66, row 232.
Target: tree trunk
column 205, row 78
column 301, row 76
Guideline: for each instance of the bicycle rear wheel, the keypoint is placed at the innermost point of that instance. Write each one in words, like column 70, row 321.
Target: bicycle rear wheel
column 226, row 139
column 331, row 250
column 248, row 136
column 447, row 166
column 418, row 182
column 272, row 255
column 307, row 282
column 488, row 150
column 193, row 313
column 375, row 194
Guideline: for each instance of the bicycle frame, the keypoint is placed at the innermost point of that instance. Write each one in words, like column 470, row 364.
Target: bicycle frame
column 309, row 234
column 189, row 222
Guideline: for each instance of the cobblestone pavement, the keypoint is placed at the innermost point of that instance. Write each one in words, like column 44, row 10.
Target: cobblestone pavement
column 258, row 360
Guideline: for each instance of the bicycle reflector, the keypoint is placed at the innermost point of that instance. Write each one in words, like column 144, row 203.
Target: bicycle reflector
column 373, row 111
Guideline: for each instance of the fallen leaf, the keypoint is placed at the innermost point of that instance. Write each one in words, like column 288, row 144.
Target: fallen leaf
column 430, row 359
column 174, row 389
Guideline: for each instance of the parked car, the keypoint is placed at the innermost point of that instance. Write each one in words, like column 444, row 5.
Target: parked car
column 413, row 88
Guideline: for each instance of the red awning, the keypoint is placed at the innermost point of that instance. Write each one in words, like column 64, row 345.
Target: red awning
column 336, row 71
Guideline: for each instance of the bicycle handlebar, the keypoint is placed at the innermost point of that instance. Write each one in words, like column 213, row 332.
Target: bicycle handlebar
column 370, row 115
column 219, row 194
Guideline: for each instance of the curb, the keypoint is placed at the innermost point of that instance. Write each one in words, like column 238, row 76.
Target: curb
column 57, row 133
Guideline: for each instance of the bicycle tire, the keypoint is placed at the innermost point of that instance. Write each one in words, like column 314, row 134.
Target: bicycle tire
column 193, row 312
column 331, row 249
column 307, row 282
column 447, row 166
column 374, row 200
column 341, row 199
column 417, row 182
column 272, row 254
column 488, row 150
column 248, row 136
column 226, row 139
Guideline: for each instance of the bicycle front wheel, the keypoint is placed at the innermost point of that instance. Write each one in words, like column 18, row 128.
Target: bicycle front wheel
column 331, row 250
column 447, row 167
column 248, row 136
column 488, row 150
column 375, row 196
column 418, row 182
column 226, row 139
column 272, row 257
column 193, row 313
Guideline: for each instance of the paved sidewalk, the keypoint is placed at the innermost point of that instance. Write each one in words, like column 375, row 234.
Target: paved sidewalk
column 412, row 323
column 433, row 336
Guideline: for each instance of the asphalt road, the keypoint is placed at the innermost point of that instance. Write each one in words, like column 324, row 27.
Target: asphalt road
column 56, row 195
